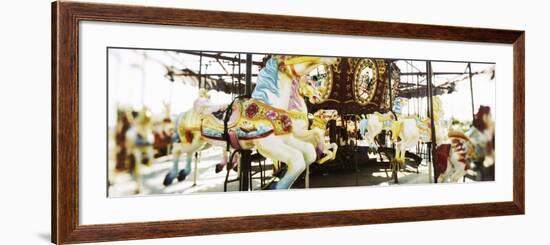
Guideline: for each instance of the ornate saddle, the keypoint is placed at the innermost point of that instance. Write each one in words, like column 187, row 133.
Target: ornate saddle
column 249, row 119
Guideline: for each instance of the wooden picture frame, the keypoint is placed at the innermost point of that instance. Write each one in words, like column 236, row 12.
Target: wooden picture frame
column 65, row 121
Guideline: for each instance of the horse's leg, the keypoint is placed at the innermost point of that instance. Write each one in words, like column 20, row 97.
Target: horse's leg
column 404, row 153
column 220, row 166
column 397, row 156
column 136, row 173
column 334, row 148
column 443, row 177
column 307, row 149
column 187, row 170
column 275, row 148
column 459, row 171
column 458, row 174
column 150, row 155
column 197, row 156
column 173, row 173
column 330, row 153
column 456, row 160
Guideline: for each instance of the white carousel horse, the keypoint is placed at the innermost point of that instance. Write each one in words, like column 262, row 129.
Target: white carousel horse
column 301, row 129
column 453, row 159
column 262, row 122
column 325, row 150
column 313, row 134
column 405, row 135
column 406, row 131
column 370, row 127
column 139, row 142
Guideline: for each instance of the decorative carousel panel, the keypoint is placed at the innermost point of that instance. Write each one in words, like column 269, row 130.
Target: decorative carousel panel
column 365, row 81
column 322, row 79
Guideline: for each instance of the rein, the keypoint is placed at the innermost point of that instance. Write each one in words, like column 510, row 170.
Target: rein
column 226, row 118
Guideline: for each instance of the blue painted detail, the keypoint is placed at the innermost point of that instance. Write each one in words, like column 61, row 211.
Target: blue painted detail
column 176, row 135
column 363, row 126
column 212, row 133
column 387, row 123
column 397, row 106
column 267, row 82
column 260, row 130
column 141, row 141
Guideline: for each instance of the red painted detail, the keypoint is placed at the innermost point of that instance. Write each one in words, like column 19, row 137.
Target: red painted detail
column 441, row 157
column 466, row 166
column 478, row 119
column 234, row 140
column 188, row 136
column 252, row 110
column 242, row 137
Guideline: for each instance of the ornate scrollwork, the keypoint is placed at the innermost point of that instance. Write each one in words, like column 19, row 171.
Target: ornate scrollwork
column 322, row 80
column 365, row 81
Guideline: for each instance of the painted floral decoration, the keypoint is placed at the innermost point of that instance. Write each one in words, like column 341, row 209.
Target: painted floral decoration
column 251, row 110
column 286, row 122
column 271, row 115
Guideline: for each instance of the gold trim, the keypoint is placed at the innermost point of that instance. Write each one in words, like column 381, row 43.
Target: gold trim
column 327, row 83
column 361, row 65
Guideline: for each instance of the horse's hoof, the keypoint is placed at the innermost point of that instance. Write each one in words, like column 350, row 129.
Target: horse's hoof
column 145, row 161
column 271, row 186
column 168, row 179
column 219, row 167
column 282, row 171
column 181, row 175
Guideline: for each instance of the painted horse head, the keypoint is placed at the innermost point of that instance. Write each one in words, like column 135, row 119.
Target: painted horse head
column 484, row 135
column 279, row 80
column 482, row 119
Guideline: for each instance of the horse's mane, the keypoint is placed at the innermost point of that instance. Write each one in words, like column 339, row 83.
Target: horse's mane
column 295, row 103
column 267, row 81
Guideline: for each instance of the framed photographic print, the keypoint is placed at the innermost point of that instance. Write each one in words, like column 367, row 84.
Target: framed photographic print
column 176, row 122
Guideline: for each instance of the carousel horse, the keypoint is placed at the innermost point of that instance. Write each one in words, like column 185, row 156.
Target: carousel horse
column 163, row 132
column 411, row 129
column 372, row 126
column 405, row 135
column 325, row 151
column 302, row 130
column 454, row 158
column 406, row 131
column 262, row 122
column 314, row 132
column 139, row 142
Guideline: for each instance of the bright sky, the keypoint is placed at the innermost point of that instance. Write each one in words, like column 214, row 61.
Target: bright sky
column 457, row 104
column 137, row 78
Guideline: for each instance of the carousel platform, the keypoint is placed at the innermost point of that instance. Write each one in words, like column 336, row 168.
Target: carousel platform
column 370, row 170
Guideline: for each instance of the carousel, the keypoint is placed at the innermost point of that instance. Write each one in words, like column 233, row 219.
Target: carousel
column 243, row 122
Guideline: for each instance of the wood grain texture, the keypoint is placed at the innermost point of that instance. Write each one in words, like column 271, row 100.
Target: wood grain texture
column 54, row 122
column 65, row 102
column 234, row 20
column 519, row 123
column 65, row 121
